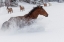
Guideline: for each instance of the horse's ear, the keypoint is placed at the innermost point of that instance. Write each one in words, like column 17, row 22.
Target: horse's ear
column 41, row 6
column 38, row 5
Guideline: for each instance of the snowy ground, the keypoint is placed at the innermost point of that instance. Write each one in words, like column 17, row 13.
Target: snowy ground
column 45, row 29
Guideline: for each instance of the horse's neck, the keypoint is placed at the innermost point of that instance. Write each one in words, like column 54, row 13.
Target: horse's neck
column 34, row 15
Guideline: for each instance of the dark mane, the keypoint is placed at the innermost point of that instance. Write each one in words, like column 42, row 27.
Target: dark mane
column 32, row 11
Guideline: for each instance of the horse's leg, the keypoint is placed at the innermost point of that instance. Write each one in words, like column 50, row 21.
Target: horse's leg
column 8, row 12
column 12, row 11
column 22, row 9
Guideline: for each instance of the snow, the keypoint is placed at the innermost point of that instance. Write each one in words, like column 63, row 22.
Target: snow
column 44, row 29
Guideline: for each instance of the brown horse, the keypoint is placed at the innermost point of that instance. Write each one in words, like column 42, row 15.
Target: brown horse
column 22, row 21
column 21, row 8
column 45, row 4
column 9, row 10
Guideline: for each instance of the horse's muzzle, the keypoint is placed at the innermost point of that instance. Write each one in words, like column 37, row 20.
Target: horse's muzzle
column 47, row 15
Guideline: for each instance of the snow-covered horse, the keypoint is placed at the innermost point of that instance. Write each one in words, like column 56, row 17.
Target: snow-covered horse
column 21, row 21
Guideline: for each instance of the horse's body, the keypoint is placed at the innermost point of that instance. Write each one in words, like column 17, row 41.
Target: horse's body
column 33, row 14
column 21, row 8
column 10, row 10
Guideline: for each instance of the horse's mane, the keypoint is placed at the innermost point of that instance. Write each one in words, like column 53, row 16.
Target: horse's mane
column 31, row 11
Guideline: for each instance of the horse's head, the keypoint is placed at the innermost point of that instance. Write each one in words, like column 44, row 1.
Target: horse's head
column 36, row 11
column 42, row 11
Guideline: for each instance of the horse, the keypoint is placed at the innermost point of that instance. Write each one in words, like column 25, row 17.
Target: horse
column 10, row 10
column 21, row 21
column 21, row 8
column 45, row 4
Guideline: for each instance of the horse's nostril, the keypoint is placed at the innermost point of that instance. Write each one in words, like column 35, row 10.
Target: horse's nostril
column 47, row 15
